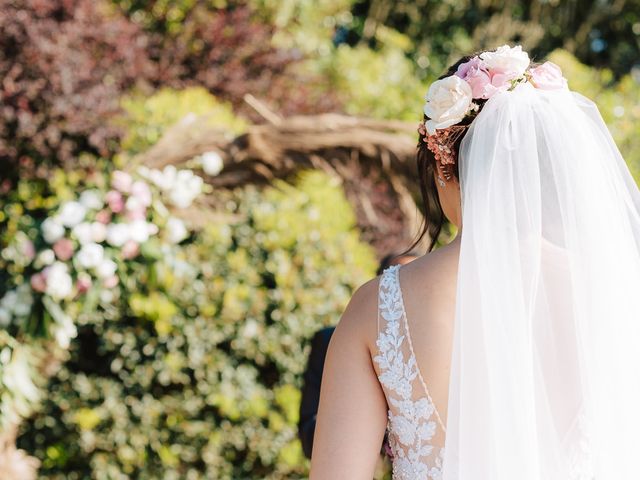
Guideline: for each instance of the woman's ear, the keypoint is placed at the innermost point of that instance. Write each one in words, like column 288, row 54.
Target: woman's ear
column 449, row 194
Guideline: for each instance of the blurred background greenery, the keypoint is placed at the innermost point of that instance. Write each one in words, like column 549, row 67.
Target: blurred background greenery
column 174, row 350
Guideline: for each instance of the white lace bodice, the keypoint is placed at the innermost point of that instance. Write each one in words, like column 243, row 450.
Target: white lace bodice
column 415, row 429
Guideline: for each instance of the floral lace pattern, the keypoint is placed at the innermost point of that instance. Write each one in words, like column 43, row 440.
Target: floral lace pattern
column 414, row 423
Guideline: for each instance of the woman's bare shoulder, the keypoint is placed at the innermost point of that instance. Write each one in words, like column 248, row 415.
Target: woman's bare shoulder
column 359, row 321
column 433, row 268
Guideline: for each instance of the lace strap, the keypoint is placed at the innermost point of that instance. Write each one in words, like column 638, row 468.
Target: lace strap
column 411, row 350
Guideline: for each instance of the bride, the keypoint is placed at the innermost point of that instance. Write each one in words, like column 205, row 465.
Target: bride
column 513, row 352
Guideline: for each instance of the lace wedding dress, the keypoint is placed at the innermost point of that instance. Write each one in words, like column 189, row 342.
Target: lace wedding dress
column 415, row 429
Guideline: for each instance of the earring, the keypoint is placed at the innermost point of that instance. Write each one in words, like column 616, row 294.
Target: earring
column 441, row 182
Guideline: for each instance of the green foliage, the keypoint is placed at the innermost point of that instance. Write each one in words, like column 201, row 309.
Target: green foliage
column 148, row 117
column 196, row 373
column 381, row 85
column 305, row 24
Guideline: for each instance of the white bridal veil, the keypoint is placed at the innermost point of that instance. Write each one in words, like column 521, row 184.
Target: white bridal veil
column 545, row 381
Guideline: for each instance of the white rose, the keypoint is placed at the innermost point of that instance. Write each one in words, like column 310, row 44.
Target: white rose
column 90, row 255
column 506, row 59
column 106, row 268
column 82, row 233
column 139, row 231
column 91, row 199
column 52, row 229
column 72, row 213
column 211, row 163
column 447, row 102
column 45, row 257
column 176, row 229
column 117, row 234
column 98, row 232
column 59, row 283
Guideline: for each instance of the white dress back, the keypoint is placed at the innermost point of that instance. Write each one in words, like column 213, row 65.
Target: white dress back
column 415, row 429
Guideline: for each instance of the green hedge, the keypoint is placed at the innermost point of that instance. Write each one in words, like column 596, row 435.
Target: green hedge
column 198, row 376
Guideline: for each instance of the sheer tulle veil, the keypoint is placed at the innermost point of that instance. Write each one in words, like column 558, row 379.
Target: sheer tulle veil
column 545, row 380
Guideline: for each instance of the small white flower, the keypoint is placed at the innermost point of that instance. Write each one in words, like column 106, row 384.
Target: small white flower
column 59, row 283
column 90, row 255
column 72, row 213
column 117, row 234
column 44, row 258
column 24, row 301
column 64, row 332
column 16, row 377
column 251, row 329
column 5, row 355
column 106, row 268
column 139, row 231
column 52, row 229
column 186, row 188
column 134, row 204
column 82, row 233
column 98, row 232
column 91, row 199
column 5, row 317
column 447, row 102
column 165, row 179
column 506, row 59
column 176, row 230
column 211, row 163
column 9, row 300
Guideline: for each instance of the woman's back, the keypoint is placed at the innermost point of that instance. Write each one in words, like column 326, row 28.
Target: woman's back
column 412, row 358
column 540, row 380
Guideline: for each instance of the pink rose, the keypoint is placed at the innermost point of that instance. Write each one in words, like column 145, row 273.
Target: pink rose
column 63, row 249
column 28, row 250
column 477, row 76
column 130, row 250
column 39, row 282
column 115, row 201
column 121, row 181
column 548, row 76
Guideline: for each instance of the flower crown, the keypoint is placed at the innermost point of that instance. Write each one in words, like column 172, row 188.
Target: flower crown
column 451, row 99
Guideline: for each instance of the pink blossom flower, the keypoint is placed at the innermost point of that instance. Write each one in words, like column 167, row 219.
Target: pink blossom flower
column 121, row 181
column 103, row 216
column 142, row 192
column 28, row 250
column 130, row 249
column 83, row 284
column 115, row 201
column 547, row 76
column 63, row 249
column 110, row 281
column 39, row 282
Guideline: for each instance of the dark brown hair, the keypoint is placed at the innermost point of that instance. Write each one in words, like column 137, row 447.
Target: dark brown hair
column 434, row 218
